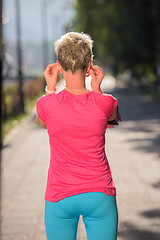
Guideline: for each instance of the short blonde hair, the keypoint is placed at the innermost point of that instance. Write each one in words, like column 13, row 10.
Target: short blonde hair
column 74, row 51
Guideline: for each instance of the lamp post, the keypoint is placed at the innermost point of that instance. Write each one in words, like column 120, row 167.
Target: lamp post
column 1, row 56
column 19, row 55
column 44, row 30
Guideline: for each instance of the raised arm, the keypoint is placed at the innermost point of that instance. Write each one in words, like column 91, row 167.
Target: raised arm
column 50, row 75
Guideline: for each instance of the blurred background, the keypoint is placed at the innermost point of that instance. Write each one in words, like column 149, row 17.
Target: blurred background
column 126, row 44
column 126, row 38
column 29, row 29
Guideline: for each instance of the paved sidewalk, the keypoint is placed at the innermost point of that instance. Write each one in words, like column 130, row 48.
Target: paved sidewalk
column 134, row 155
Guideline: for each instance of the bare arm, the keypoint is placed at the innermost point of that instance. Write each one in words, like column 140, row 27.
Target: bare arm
column 114, row 116
column 40, row 122
column 50, row 75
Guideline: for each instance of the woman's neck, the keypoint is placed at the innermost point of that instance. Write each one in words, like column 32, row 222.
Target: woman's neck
column 75, row 81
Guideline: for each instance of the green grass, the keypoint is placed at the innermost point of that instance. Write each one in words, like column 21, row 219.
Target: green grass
column 16, row 118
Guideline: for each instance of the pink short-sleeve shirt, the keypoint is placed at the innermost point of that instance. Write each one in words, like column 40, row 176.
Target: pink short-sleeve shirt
column 76, row 125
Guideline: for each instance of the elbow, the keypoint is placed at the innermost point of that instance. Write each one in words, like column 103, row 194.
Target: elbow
column 110, row 126
column 36, row 120
column 40, row 123
column 44, row 126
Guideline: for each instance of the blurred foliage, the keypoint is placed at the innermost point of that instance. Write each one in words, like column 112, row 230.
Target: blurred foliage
column 125, row 33
column 11, row 96
column 11, row 116
column 32, row 90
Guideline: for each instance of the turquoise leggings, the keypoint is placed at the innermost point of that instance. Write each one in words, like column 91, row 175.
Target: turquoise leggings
column 99, row 213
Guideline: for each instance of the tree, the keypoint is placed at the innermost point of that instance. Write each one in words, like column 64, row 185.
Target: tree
column 128, row 33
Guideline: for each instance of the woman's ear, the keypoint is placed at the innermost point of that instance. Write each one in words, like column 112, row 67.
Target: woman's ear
column 89, row 66
column 90, row 63
column 88, row 69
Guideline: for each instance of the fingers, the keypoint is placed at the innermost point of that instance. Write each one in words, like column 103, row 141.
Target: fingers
column 51, row 69
column 97, row 71
column 53, row 65
column 92, row 73
column 97, row 77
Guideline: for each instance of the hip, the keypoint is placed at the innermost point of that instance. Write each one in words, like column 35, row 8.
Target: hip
column 91, row 204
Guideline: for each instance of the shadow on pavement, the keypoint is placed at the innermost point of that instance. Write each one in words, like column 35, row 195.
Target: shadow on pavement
column 5, row 146
column 151, row 213
column 140, row 114
column 135, row 106
column 131, row 232
column 156, row 185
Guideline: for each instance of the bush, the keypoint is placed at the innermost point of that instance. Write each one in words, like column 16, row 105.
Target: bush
column 11, row 96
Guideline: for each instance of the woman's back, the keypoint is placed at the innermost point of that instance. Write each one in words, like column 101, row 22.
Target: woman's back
column 76, row 126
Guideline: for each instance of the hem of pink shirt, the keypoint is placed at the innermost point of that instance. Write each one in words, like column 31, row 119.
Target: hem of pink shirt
column 109, row 191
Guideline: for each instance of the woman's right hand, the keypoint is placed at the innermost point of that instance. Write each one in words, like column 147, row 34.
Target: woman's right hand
column 50, row 75
column 97, row 76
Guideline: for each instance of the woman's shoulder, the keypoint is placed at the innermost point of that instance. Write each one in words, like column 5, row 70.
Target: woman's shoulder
column 108, row 95
column 104, row 96
column 47, row 97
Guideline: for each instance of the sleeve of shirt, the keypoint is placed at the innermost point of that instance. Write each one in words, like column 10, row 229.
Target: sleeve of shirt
column 110, row 105
column 41, row 108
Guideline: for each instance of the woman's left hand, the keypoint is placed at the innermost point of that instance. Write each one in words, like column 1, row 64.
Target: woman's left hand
column 50, row 75
column 97, row 77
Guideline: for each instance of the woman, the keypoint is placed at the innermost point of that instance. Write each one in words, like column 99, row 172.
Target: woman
column 79, row 177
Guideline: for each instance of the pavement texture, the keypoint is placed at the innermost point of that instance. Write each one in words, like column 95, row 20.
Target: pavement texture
column 133, row 150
